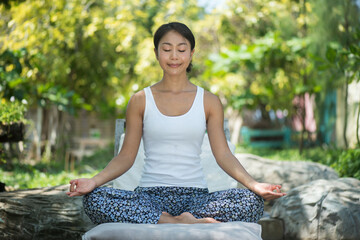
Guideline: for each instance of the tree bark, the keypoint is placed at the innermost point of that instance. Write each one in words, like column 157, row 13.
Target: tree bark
column 38, row 132
column 303, row 115
column 346, row 111
column 347, row 44
column 357, row 126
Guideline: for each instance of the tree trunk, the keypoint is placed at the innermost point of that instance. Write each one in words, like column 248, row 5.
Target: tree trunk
column 62, row 136
column 303, row 113
column 51, row 131
column 357, row 126
column 346, row 111
column 37, row 133
column 347, row 44
column 303, row 116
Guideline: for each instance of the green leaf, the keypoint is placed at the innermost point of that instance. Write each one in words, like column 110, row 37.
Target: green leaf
column 324, row 67
column 331, row 54
column 317, row 88
column 354, row 49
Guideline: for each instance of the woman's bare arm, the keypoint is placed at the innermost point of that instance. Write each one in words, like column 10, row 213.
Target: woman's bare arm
column 224, row 157
column 125, row 159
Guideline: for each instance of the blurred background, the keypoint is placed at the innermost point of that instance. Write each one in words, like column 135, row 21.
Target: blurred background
column 287, row 73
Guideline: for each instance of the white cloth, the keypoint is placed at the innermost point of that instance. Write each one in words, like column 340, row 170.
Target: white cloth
column 214, row 231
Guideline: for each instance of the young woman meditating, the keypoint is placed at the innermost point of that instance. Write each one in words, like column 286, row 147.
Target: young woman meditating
column 171, row 117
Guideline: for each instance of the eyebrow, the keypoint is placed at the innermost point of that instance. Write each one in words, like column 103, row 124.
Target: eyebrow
column 167, row 43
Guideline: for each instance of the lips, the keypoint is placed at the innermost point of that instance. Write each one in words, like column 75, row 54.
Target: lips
column 174, row 65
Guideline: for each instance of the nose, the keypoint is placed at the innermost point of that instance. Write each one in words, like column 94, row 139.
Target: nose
column 174, row 54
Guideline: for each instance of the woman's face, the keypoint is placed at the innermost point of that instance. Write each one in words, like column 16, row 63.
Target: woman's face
column 174, row 53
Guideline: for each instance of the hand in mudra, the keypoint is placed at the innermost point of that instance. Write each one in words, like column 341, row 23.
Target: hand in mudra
column 81, row 186
column 268, row 191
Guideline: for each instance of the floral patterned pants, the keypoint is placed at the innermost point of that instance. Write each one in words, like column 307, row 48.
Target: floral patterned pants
column 146, row 204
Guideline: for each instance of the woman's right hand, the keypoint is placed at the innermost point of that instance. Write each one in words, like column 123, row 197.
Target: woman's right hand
column 81, row 186
column 268, row 191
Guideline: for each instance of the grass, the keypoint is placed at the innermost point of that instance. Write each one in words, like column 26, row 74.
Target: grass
column 35, row 178
column 17, row 175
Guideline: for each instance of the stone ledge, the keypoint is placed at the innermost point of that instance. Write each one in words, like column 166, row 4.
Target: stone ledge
column 272, row 229
column 44, row 213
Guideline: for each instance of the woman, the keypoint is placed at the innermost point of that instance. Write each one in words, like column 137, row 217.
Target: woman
column 172, row 116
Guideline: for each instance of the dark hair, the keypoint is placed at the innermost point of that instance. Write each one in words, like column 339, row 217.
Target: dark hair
column 179, row 28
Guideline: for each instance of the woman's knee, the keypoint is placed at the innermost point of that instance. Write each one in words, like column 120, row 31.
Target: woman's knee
column 90, row 198
column 254, row 199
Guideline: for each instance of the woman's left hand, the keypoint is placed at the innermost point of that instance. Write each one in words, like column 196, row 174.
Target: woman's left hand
column 268, row 191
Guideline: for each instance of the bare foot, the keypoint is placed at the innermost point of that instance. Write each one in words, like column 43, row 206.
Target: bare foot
column 186, row 218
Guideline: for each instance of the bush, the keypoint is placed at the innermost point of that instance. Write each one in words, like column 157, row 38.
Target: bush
column 12, row 112
column 348, row 163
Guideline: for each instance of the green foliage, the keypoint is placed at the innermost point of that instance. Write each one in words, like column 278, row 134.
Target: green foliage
column 267, row 70
column 91, row 55
column 94, row 55
column 101, row 52
column 12, row 112
column 264, row 57
column 342, row 61
column 12, row 84
column 348, row 164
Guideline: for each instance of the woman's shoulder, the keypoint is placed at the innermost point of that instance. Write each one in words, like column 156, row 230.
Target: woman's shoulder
column 211, row 98
column 137, row 100
column 138, row 96
column 212, row 104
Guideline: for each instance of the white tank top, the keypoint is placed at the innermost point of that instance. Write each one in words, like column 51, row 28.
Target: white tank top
column 172, row 145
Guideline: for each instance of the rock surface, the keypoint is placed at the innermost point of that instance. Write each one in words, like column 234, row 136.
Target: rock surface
column 46, row 213
column 322, row 209
column 289, row 174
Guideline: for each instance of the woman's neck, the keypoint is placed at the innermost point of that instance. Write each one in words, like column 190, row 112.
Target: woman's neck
column 174, row 84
